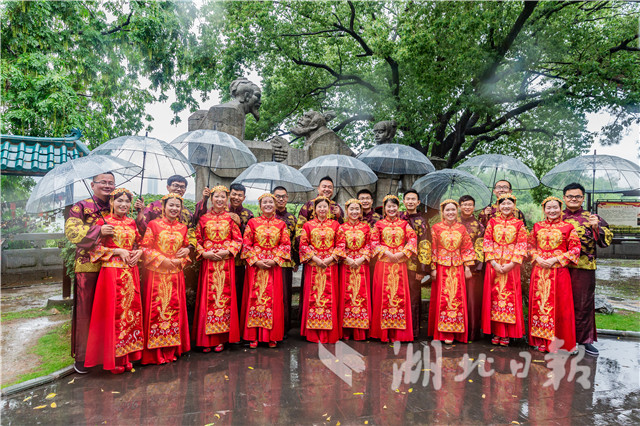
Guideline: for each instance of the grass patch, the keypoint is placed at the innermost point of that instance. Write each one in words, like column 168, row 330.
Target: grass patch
column 54, row 350
column 620, row 320
column 35, row 313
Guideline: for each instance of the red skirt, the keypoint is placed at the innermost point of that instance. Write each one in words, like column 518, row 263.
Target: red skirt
column 355, row 302
column 216, row 315
column 391, row 319
column 166, row 325
column 562, row 307
column 263, row 305
column 513, row 329
column 115, row 333
column 439, row 320
column 312, row 318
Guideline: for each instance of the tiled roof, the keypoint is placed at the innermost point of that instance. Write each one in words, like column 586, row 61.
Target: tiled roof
column 33, row 156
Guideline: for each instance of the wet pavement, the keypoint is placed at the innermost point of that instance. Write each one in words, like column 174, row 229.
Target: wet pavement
column 293, row 384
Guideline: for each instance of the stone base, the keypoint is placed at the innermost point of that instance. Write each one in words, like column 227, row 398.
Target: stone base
column 56, row 301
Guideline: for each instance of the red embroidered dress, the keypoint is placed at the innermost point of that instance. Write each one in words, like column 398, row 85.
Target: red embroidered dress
column 166, row 326
column 391, row 320
column 505, row 240
column 216, row 314
column 551, row 311
column 115, row 333
column 354, row 241
column 263, row 303
column 452, row 249
column 321, row 293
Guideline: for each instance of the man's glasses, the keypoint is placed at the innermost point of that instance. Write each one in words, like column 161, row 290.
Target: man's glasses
column 574, row 197
column 281, row 197
column 503, row 187
column 104, row 183
column 174, row 186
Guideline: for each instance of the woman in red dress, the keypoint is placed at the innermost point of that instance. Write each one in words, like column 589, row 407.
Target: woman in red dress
column 354, row 247
column 321, row 293
column 219, row 241
column 553, row 244
column 166, row 253
column 452, row 256
column 115, row 333
column 266, row 247
column 393, row 242
column 504, row 245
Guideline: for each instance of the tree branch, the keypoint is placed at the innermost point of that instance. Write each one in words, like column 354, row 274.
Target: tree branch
column 309, row 34
column 350, row 77
column 625, row 46
column 357, row 117
column 119, row 27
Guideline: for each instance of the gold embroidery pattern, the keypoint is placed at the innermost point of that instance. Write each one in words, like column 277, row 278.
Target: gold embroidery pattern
column 500, row 311
column 549, row 239
column 165, row 290
column 128, row 318
column 219, row 300
column 450, row 292
column 392, row 236
column 322, row 237
column 319, row 316
column 267, row 236
column 217, row 230
column 355, row 239
column 169, row 242
column 356, row 314
column 393, row 316
column 542, row 320
column 124, row 236
column 259, row 319
column 504, row 234
column 450, row 240
column 424, row 252
column 75, row 230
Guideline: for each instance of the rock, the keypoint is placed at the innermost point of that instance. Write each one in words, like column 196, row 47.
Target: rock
column 603, row 306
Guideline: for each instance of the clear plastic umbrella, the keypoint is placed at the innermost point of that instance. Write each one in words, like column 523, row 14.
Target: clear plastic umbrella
column 396, row 159
column 597, row 173
column 344, row 170
column 271, row 174
column 491, row 168
column 215, row 150
column 158, row 159
column 65, row 184
column 447, row 183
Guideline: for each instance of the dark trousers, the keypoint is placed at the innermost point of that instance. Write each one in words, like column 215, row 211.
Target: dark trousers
column 415, row 295
column 583, row 284
column 83, row 292
column 239, row 288
column 474, row 305
column 287, row 294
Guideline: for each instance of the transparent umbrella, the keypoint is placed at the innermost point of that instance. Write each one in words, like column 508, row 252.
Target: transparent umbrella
column 158, row 159
column 396, row 159
column 215, row 150
column 597, row 173
column 491, row 168
column 271, row 174
column 65, row 184
column 447, row 183
column 344, row 170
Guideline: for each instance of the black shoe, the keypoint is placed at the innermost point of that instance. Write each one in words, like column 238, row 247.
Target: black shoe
column 80, row 368
column 590, row 349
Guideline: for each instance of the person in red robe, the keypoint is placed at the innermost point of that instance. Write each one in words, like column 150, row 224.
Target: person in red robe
column 452, row 256
column 219, row 241
column 354, row 247
column 166, row 253
column 320, row 298
column 393, row 243
column 116, row 337
column 553, row 245
column 504, row 246
column 266, row 248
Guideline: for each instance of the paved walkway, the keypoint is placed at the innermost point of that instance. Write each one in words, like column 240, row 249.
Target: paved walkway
column 293, row 385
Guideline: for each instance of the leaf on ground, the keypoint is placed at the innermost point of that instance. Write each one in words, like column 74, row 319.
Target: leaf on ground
column 217, row 415
column 40, row 407
column 358, row 393
column 54, row 405
column 115, row 392
column 410, row 390
column 72, row 381
column 50, row 396
column 250, row 368
column 27, row 398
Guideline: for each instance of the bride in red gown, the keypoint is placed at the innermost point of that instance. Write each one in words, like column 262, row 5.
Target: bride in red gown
column 166, row 253
column 116, row 338
column 393, row 242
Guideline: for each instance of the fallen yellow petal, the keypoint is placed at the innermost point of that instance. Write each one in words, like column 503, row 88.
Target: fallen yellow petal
column 27, row 398
column 72, row 381
column 358, row 393
column 384, row 406
column 217, row 415
column 250, row 368
column 53, row 405
column 50, row 396
column 366, row 422
column 515, row 423
column 470, row 381
column 484, row 396
column 410, row 390
column 325, row 414
column 39, row 407
column 133, row 370
column 338, row 423
column 115, row 392
column 538, row 360
column 329, row 418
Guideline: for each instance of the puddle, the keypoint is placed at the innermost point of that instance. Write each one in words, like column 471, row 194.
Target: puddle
column 27, row 297
column 618, row 279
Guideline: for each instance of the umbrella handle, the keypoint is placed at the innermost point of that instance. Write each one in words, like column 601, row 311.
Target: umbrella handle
column 144, row 159
column 593, row 183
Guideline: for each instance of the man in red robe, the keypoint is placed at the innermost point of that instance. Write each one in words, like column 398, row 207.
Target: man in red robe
column 81, row 229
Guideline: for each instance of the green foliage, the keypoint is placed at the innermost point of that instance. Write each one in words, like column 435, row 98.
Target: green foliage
column 34, row 313
column 16, row 188
column 620, row 320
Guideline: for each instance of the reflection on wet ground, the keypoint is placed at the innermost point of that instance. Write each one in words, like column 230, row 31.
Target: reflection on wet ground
column 292, row 385
column 617, row 280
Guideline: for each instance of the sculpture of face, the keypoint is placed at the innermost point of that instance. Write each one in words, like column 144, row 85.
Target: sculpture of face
column 306, row 124
column 383, row 132
column 253, row 101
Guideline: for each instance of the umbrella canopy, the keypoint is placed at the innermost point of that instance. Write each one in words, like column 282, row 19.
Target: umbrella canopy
column 344, row 170
column 214, row 149
column 65, row 184
column 396, row 159
column 447, row 183
column 597, row 173
column 271, row 174
column 491, row 168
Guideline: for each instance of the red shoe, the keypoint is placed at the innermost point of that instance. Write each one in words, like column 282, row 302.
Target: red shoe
column 220, row 347
column 253, row 344
column 504, row 341
column 495, row 340
column 543, row 348
column 273, row 344
column 128, row 367
column 118, row 370
column 448, row 342
column 206, row 350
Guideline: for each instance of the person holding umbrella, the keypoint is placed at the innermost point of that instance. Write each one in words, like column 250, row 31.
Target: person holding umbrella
column 219, row 241
column 594, row 232
column 307, row 212
column 116, row 336
column 82, row 229
column 501, row 188
column 553, row 245
column 266, row 248
column 505, row 246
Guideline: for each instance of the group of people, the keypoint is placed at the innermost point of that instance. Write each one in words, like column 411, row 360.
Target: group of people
column 362, row 271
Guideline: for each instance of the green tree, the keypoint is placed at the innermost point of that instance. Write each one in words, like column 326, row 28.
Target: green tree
column 96, row 65
column 458, row 77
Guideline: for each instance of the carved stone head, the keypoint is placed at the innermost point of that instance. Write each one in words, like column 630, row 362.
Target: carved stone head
column 280, row 148
column 248, row 95
column 385, row 131
column 311, row 121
